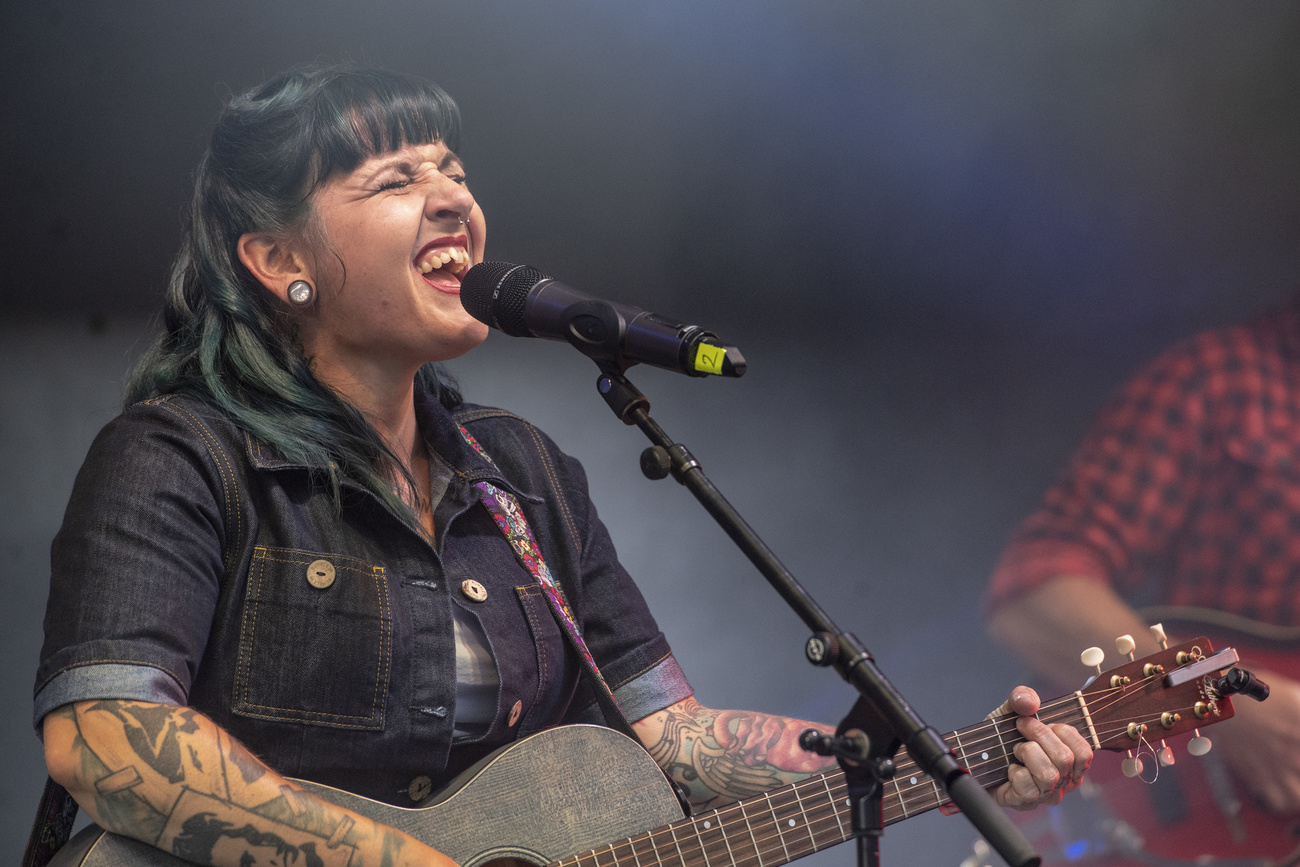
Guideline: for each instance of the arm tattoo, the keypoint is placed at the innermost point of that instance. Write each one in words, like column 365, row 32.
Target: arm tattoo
column 170, row 777
column 722, row 756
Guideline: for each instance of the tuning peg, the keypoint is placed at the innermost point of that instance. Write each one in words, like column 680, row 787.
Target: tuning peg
column 1125, row 645
column 1132, row 766
column 1158, row 633
column 1164, row 755
column 1199, row 745
column 1092, row 657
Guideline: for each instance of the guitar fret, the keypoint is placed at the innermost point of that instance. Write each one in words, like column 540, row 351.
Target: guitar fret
column 902, row 801
column 704, row 845
column 750, row 828
column 961, row 751
column 807, row 823
column 615, row 848
column 725, row 842
column 1006, row 754
column 834, row 801
column 818, row 821
column 677, row 845
column 780, row 835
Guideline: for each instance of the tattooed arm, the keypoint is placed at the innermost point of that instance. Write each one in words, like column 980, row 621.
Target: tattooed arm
column 726, row 755
column 171, row 777
column 720, row 756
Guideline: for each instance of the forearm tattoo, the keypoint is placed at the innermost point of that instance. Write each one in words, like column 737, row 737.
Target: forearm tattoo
column 171, row 777
column 722, row 756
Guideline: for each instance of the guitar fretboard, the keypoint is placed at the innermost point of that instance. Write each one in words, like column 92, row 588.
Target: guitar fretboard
column 786, row 823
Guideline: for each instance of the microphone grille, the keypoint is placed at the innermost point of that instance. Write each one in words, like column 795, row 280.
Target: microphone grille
column 494, row 293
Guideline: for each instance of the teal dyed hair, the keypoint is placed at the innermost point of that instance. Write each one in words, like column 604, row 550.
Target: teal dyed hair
column 225, row 337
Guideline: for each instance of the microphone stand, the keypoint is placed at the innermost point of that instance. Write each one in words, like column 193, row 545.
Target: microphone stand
column 881, row 720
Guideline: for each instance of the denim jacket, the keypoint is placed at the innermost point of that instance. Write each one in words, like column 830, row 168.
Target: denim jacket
column 197, row 566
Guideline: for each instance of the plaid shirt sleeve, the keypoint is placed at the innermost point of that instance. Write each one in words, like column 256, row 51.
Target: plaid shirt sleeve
column 1112, row 513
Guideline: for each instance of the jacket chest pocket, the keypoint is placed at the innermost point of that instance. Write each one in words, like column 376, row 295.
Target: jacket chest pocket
column 315, row 640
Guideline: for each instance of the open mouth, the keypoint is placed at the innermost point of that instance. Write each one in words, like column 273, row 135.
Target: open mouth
column 448, row 258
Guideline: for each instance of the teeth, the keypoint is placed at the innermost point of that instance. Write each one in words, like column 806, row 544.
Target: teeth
column 443, row 257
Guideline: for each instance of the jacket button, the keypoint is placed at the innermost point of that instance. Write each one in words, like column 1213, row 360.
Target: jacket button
column 320, row 574
column 472, row 590
column 421, row 787
column 515, row 710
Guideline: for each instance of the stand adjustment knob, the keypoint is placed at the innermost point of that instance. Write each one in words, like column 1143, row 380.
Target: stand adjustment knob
column 655, row 463
column 822, row 648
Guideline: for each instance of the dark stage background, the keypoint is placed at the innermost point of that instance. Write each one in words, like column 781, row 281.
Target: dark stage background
column 941, row 232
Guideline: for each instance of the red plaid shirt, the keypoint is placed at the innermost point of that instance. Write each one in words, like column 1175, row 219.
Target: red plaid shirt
column 1186, row 491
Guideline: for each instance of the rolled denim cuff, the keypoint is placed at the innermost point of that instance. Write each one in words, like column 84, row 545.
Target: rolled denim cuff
column 107, row 680
column 654, row 689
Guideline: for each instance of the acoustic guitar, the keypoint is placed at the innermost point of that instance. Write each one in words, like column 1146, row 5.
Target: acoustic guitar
column 587, row 796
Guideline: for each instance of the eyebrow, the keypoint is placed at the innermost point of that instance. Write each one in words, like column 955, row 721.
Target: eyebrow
column 405, row 163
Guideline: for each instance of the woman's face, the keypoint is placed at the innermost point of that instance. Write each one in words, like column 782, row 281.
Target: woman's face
column 400, row 230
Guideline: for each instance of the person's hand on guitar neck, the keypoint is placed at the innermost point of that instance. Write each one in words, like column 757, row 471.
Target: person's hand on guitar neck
column 719, row 756
column 173, row 778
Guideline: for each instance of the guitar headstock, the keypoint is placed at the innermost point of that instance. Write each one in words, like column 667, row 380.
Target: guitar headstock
column 1168, row 693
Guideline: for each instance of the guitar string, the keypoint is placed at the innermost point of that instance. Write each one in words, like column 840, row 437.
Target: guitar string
column 824, row 828
column 924, row 796
column 1115, row 694
column 928, row 794
column 812, row 838
column 713, row 837
column 825, row 812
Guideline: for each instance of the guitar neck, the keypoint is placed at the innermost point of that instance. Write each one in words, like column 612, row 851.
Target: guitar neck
column 789, row 822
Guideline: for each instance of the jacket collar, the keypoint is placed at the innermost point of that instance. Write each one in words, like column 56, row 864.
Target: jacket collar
column 441, row 433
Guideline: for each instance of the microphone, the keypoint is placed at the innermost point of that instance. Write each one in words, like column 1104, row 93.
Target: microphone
column 524, row 302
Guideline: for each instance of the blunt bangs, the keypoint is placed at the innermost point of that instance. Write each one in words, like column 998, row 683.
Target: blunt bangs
column 362, row 114
column 310, row 124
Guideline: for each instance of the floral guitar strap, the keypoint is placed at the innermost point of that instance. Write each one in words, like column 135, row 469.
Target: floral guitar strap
column 509, row 518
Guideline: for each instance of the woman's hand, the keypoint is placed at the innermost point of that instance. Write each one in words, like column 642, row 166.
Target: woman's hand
column 1052, row 759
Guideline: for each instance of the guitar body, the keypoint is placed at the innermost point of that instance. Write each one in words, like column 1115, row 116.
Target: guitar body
column 528, row 800
column 1192, row 811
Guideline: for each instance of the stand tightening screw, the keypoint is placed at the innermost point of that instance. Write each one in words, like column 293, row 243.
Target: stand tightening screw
column 822, row 648
column 655, row 463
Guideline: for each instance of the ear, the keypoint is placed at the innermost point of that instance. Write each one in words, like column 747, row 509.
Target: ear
column 273, row 261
